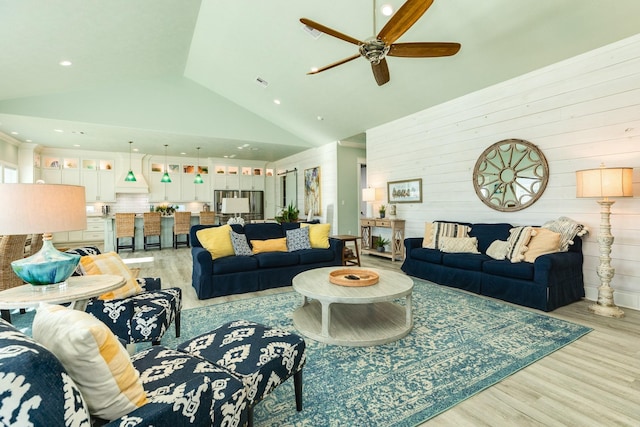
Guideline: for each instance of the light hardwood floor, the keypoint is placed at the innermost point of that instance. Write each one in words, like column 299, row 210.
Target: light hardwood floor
column 594, row 381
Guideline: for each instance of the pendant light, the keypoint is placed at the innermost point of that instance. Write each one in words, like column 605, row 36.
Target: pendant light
column 198, row 179
column 130, row 176
column 165, row 178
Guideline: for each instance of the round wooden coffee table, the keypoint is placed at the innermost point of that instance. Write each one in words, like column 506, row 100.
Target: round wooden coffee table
column 353, row 316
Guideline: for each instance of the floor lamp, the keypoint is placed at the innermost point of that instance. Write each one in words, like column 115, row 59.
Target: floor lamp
column 605, row 182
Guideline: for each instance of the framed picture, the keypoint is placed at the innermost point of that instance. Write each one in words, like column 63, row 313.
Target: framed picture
column 312, row 191
column 407, row 191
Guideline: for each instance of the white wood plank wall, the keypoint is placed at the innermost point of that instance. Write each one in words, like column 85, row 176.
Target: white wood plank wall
column 326, row 157
column 579, row 112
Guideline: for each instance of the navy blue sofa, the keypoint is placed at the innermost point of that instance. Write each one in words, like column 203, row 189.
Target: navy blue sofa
column 241, row 274
column 552, row 281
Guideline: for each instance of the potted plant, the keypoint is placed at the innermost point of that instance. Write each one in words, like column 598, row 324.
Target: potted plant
column 289, row 214
column 381, row 242
column 382, row 210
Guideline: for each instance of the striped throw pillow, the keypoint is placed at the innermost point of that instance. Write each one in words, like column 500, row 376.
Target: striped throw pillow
column 446, row 229
column 518, row 240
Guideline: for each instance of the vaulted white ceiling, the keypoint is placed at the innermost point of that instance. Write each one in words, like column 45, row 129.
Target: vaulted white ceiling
column 183, row 73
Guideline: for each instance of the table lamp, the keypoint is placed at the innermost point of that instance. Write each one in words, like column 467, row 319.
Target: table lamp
column 369, row 196
column 43, row 208
column 236, row 206
column 605, row 182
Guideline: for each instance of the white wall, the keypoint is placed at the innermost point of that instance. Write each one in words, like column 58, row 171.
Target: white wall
column 326, row 157
column 579, row 112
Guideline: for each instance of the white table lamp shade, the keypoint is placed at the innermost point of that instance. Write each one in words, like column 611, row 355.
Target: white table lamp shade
column 604, row 182
column 43, row 209
column 369, row 194
column 235, row 205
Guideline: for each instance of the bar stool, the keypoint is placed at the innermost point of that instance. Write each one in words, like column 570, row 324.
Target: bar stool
column 207, row 218
column 181, row 225
column 125, row 228
column 152, row 228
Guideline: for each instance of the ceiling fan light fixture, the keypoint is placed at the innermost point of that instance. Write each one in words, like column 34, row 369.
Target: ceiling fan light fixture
column 374, row 50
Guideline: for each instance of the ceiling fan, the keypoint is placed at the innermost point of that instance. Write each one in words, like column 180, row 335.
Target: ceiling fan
column 376, row 48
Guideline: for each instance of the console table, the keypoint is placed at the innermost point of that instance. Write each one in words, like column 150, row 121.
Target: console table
column 397, row 237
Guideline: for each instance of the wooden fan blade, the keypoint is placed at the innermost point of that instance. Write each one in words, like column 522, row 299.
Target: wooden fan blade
column 381, row 72
column 329, row 31
column 403, row 19
column 335, row 64
column 423, row 50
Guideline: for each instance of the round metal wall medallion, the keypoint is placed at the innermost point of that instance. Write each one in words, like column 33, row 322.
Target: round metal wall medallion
column 510, row 175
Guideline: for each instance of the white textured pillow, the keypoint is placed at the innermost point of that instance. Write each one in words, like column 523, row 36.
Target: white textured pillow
column 498, row 249
column 93, row 357
column 445, row 229
column 459, row 245
column 518, row 241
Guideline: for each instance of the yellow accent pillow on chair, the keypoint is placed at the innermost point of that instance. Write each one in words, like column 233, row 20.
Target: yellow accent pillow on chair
column 111, row 263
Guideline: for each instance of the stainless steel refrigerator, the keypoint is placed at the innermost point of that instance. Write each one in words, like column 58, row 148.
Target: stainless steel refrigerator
column 256, row 204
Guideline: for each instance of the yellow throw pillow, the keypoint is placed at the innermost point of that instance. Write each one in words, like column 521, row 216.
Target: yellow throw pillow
column 544, row 242
column 111, row 263
column 269, row 245
column 318, row 235
column 93, row 357
column 428, row 234
column 217, row 240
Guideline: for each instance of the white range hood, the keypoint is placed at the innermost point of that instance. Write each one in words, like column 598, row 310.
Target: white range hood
column 140, row 186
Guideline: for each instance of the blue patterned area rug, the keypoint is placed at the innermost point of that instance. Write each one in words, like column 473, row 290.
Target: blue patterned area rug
column 460, row 345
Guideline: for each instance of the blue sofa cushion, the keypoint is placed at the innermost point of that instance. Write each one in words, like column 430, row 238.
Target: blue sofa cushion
column 312, row 256
column 434, row 256
column 465, row 261
column 487, row 233
column 263, row 231
column 506, row 268
column 34, row 387
column 234, row 264
column 277, row 259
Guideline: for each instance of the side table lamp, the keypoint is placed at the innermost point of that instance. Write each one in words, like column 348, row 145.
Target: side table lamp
column 236, row 206
column 43, row 208
column 605, row 182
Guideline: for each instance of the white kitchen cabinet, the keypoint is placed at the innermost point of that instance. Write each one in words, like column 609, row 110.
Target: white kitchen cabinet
column 161, row 192
column 191, row 192
column 99, row 185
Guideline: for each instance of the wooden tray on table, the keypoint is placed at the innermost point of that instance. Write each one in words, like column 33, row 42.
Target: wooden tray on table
column 353, row 277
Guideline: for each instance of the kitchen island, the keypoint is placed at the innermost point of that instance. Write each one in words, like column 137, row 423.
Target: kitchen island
column 166, row 231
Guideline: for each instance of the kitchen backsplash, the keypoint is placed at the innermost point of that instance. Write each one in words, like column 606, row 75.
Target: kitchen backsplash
column 139, row 203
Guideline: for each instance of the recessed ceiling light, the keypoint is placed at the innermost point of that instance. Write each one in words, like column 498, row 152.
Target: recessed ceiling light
column 320, row 118
column 276, row 101
column 29, row 140
column 386, row 9
column 14, row 133
column 76, row 145
column 183, row 153
column 58, row 130
column 66, row 63
column 136, row 150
